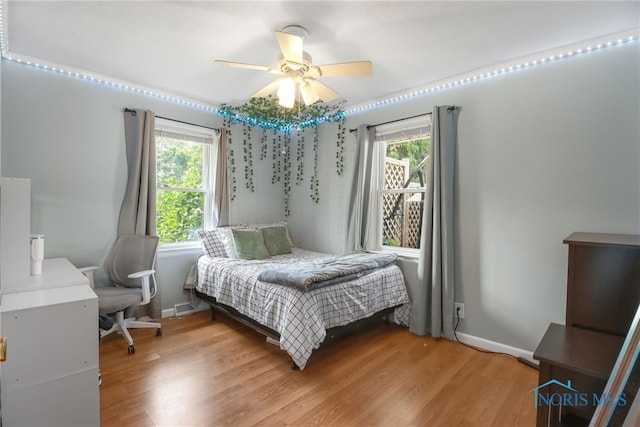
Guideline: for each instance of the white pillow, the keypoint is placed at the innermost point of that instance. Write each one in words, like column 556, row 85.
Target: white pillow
column 211, row 243
column 226, row 237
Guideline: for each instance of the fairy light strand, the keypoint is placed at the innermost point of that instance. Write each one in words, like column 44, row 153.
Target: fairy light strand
column 402, row 97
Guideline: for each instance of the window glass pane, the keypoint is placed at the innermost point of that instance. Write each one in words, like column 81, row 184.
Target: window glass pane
column 182, row 180
column 179, row 215
column 179, row 163
column 405, row 167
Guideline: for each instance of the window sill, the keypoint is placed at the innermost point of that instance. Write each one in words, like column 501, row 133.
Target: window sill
column 182, row 247
column 401, row 252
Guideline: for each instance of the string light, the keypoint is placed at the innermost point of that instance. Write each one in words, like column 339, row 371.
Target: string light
column 497, row 72
column 403, row 97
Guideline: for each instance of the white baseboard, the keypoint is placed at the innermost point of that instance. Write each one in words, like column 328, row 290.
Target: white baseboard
column 495, row 346
column 168, row 312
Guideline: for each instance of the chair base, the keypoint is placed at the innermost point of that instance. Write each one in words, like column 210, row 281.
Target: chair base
column 123, row 325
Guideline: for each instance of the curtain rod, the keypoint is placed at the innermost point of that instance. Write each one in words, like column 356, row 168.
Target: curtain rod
column 129, row 110
column 393, row 121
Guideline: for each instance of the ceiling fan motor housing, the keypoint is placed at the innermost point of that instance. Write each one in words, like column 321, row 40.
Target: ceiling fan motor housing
column 289, row 66
column 296, row 30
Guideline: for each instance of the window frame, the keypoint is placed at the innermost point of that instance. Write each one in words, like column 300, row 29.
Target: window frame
column 197, row 135
column 396, row 132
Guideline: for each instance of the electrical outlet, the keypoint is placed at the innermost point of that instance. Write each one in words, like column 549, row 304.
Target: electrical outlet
column 459, row 309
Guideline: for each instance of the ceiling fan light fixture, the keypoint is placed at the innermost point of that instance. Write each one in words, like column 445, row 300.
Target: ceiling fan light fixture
column 295, row 66
column 287, row 92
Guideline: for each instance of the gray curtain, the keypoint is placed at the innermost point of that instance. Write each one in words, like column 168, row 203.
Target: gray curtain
column 360, row 202
column 432, row 306
column 138, row 211
column 221, row 195
column 220, row 198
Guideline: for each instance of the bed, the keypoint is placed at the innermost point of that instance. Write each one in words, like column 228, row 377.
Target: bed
column 296, row 317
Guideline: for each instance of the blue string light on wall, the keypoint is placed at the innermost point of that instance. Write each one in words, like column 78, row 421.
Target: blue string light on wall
column 277, row 123
column 268, row 114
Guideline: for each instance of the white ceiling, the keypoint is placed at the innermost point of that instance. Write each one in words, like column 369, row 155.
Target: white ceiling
column 170, row 46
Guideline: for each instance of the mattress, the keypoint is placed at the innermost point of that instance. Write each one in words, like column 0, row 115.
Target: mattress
column 301, row 318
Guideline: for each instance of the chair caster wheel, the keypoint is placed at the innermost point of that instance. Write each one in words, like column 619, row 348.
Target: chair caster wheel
column 131, row 349
column 159, row 332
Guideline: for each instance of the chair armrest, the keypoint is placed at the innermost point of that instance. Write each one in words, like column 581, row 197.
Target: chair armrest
column 139, row 274
column 146, row 284
column 88, row 271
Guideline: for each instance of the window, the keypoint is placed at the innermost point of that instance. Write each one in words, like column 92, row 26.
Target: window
column 402, row 181
column 184, row 163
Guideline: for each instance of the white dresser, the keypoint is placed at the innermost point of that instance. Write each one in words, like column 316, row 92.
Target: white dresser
column 50, row 376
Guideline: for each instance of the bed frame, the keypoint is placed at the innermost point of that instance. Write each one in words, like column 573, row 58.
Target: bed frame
column 332, row 333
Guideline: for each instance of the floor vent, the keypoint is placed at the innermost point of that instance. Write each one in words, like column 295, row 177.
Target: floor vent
column 186, row 308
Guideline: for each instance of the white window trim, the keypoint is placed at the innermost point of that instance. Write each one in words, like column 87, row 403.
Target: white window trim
column 179, row 246
column 403, row 130
column 198, row 135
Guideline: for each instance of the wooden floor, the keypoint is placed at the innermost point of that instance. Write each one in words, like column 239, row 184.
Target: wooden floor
column 209, row 373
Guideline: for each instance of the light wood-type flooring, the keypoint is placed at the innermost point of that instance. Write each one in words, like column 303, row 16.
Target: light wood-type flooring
column 212, row 373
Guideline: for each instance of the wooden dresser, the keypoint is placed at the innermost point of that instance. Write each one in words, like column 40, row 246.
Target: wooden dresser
column 603, row 293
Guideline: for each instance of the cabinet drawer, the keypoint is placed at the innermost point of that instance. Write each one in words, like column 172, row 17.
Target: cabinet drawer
column 49, row 342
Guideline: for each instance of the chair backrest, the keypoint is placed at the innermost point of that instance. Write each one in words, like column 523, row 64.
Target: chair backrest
column 130, row 254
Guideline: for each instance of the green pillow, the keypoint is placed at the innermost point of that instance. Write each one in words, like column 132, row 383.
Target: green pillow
column 276, row 240
column 249, row 244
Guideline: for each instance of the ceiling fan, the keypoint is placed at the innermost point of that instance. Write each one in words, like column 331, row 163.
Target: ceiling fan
column 299, row 75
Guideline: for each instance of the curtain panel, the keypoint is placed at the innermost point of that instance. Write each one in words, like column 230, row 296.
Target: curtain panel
column 221, row 185
column 138, row 211
column 360, row 203
column 432, row 311
column 220, row 209
column 433, row 305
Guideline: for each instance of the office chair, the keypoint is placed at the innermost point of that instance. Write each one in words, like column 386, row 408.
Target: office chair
column 130, row 264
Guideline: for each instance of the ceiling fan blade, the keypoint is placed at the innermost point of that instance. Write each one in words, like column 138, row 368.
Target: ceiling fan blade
column 291, row 46
column 248, row 66
column 325, row 93
column 267, row 90
column 355, row 69
column 309, row 93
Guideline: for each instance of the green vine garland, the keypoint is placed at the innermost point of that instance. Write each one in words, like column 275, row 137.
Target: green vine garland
column 267, row 114
column 315, row 182
column 231, row 161
column 340, row 147
column 247, row 148
column 300, row 158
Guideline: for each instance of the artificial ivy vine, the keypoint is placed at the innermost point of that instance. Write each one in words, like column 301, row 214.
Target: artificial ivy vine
column 340, row 147
column 268, row 115
column 300, row 158
column 315, row 182
column 247, row 147
column 231, row 161
column 263, row 145
column 287, row 172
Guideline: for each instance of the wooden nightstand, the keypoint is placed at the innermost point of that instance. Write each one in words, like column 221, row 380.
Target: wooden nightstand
column 581, row 358
column 603, row 294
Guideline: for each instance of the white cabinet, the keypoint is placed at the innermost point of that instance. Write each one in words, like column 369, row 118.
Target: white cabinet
column 50, row 376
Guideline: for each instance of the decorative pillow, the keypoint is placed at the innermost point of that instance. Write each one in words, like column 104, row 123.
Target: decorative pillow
column 226, row 236
column 211, row 241
column 249, row 244
column 278, row 224
column 276, row 240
